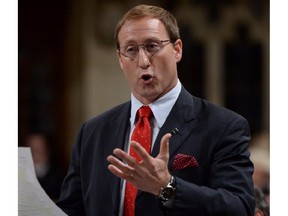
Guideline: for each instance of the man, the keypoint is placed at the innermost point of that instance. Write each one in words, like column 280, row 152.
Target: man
column 196, row 162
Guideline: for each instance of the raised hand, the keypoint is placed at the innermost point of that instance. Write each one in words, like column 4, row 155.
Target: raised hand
column 150, row 174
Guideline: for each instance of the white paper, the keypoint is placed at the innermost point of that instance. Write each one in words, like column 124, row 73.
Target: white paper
column 32, row 199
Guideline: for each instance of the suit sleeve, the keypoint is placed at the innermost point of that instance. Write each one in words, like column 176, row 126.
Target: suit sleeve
column 229, row 189
column 70, row 200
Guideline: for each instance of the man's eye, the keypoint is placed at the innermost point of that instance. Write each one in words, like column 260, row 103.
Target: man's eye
column 152, row 46
column 131, row 49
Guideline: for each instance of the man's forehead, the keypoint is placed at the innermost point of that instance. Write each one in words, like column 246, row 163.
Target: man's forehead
column 142, row 24
column 142, row 28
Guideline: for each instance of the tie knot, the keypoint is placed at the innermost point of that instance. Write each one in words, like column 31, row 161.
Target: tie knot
column 145, row 111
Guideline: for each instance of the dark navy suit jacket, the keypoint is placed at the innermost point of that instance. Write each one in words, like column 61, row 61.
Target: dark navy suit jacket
column 216, row 137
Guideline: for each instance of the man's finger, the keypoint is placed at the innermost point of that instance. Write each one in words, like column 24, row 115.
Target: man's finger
column 144, row 155
column 119, row 165
column 164, row 146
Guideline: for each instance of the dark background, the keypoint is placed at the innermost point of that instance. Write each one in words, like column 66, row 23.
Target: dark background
column 42, row 64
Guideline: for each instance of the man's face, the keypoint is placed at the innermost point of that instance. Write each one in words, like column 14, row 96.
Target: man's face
column 150, row 77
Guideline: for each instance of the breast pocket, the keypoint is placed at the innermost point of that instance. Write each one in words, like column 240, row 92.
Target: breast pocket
column 188, row 168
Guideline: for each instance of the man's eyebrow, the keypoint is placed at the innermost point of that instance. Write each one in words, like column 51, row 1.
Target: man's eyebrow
column 154, row 39
column 148, row 40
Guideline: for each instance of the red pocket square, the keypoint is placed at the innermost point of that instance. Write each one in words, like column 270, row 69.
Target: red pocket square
column 182, row 161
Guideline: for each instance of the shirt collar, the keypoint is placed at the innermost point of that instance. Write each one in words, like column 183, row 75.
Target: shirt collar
column 160, row 108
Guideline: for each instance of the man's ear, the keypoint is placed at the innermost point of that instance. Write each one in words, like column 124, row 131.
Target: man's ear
column 178, row 45
column 120, row 59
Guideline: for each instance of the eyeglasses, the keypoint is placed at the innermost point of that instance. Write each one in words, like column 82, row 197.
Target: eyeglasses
column 131, row 51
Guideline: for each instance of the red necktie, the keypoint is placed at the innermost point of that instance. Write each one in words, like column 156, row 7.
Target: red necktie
column 143, row 135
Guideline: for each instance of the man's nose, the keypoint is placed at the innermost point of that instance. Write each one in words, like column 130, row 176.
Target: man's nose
column 143, row 58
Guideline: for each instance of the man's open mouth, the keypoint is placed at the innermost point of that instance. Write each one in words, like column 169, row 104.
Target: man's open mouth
column 146, row 77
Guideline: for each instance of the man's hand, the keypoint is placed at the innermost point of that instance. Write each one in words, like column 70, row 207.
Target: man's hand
column 150, row 174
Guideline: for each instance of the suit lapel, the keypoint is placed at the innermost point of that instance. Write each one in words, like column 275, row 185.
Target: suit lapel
column 116, row 139
column 180, row 117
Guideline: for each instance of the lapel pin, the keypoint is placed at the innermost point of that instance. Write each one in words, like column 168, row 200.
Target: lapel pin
column 175, row 131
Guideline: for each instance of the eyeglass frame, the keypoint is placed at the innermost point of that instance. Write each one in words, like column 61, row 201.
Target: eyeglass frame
column 144, row 46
